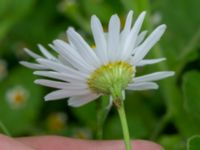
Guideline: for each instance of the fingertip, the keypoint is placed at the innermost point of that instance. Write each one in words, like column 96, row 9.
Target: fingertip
column 56, row 142
column 146, row 145
column 8, row 143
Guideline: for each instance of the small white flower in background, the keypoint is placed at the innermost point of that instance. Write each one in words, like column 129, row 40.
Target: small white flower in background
column 17, row 97
column 83, row 74
column 3, row 69
column 56, row 121
column 82, row 133
column 156, row 18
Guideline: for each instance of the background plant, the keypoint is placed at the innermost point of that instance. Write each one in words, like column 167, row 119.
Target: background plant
column 169, row 116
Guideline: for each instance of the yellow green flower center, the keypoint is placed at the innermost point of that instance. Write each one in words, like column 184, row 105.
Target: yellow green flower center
column 111, row 78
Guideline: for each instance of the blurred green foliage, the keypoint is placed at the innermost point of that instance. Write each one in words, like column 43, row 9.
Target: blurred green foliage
column 168, row 116
column 193, row 143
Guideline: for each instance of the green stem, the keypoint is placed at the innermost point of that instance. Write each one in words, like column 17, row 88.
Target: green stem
column 99, row 130
column 4, row 129
column 122, row 116
column 118, row 102
column 160, row 126
column 102, row 113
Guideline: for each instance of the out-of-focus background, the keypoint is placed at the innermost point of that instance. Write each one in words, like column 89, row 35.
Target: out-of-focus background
column 168, row 116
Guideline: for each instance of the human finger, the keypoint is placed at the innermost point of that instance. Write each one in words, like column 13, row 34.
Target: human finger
column 63, row 143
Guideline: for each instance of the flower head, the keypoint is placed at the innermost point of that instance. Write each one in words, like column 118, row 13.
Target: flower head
column 82, row 133
column 56, row 121
column 83, row 73
column 17, row 96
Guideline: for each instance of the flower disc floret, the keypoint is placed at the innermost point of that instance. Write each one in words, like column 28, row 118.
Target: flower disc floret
column 110, row 77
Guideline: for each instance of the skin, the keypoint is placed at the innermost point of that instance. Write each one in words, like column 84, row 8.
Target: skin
column 63, row 143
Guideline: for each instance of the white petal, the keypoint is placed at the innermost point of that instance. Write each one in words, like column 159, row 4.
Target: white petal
column 113, row 37
column 53, row 84
column 45, row 52
column 60, row 76
column 127, row 27
column 100, row 41
column 64, row 61
column 60, row 85
column 60, row 68
column 71, row 55
column 142, row 86
column 32, row 54
column 140, row 38
column 151, row 40
column 60, row 94
column 83, row 48
column 149, row 61
column 132, row 37
column 128, row 23
column 32, row 65
column 153, row 76
column 77, row 101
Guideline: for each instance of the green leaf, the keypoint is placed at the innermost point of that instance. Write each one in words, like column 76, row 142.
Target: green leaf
column 186, row 115
column 8, row 17
column 183, row 29
column 100, row 8
column 191, row 82
column 140, row 117
column 172, row 142
column 86, row 114
column 112, row 128
column 194, row 143
column 137, row 5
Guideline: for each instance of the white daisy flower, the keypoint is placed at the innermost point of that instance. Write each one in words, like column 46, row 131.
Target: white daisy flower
column 17, row 97
column 83, row 73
